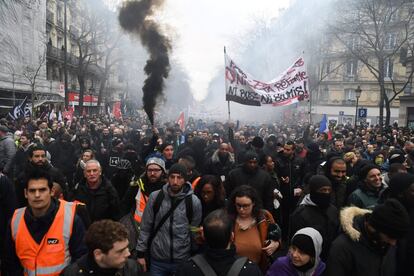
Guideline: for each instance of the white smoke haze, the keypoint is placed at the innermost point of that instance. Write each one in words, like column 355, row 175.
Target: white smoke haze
column 263, row 39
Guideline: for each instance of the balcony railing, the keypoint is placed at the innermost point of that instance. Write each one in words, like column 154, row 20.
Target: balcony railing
column 59, row 55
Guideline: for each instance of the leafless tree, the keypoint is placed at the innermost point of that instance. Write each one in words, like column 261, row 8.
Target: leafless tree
column 374, row 32
column 31, row 74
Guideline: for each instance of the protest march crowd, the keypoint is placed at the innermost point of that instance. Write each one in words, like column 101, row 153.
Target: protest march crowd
column 98, row 196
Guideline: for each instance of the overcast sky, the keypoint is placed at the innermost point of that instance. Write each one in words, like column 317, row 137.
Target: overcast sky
column 199, row 30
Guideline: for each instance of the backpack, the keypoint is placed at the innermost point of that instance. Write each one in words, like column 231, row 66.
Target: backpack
column 207, row 270
column 188, row 205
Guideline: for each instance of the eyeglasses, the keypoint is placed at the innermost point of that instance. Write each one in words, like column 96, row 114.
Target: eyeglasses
column 153, row 170
column 243, row 206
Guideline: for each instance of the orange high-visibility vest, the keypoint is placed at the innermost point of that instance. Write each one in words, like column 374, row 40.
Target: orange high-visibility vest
column 140, row 202
column 195, row 182
column 52, row 255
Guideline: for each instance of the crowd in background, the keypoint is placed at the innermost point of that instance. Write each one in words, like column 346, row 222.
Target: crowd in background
column 300, row 201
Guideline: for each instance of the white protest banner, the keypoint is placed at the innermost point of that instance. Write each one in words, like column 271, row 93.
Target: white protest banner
column 289, row 88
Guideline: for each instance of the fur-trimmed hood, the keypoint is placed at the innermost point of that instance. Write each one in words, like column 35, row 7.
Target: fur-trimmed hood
column 215, row 157
column 347, row 216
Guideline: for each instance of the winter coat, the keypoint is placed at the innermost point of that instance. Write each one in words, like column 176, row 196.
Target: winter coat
column 102, row 203
column 352, row 252
column 216, row 167
column 7, row 152
column 283, row 266
column 86, row 265
column 363, row 197
column 259, row 180
column 173, row 240
column 220, row 260
column 326, row 221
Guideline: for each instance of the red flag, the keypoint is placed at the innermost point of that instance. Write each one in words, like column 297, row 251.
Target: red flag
column 181, row 121
column 116, row 110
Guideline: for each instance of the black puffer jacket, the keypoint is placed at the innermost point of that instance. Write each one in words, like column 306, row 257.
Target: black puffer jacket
column 102, row 203
column 352, row 253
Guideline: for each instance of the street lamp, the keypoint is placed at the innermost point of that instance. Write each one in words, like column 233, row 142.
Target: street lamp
column 358, row 92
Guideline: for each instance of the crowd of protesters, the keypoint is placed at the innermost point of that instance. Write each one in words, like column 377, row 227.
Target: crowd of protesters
column 98, row 196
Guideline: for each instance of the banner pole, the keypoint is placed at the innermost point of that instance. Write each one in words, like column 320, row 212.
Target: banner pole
column 228, row 102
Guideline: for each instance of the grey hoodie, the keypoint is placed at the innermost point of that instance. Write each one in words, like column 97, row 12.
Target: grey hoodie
column 172, row 243
column 317, row 243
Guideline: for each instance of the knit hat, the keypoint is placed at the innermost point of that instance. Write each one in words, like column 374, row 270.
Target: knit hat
column 365, row 170
column 304, row 243
column 390, row 218
column 257, row 142
column 318, row 181
column 251, row 155
column 396, row 156
column 156, row 161
column 400, row 182
column 178, row 168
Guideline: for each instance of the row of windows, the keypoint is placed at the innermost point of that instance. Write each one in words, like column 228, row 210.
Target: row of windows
column 351, row 68
column 349, row 94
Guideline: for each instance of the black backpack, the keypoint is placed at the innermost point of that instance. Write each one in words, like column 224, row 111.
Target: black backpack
column 207, row 270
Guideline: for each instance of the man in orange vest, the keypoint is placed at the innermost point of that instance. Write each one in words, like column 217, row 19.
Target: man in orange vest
column 47, row 235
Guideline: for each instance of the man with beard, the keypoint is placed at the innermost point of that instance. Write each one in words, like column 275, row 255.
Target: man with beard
column 252, row 175
column 37, row 160
column 336, row 172
column 221, row 162
column 22, row 153
column 364, row 247
column 291, row 170
column 316, row 211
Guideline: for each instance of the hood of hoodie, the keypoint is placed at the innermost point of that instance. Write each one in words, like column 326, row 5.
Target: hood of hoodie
column 317, row 244
column 307, row 201
column 186, row 190
column 347, row 217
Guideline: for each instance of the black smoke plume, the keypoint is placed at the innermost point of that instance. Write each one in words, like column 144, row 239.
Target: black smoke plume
column 134, row 17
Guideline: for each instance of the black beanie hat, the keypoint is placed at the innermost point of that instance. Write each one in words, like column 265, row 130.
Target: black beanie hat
column 251, row 155
column 400, row 182
column 257, row 142
column 318, row 181
column 304, row 243
column 390, row 218
column 178, row 168
column 365, row 170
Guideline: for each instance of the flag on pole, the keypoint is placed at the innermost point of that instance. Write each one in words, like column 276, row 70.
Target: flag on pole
column 323, row 127
column 21, row 110
column 116, row 110
column 181, row 121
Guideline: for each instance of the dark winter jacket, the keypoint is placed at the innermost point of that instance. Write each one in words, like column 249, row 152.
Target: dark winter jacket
column 87, row 266
column 7, row 152
column 220, row 260
column 326, row 221
column 102, row 203
column 260, row 180
column 219, row 168
column 352, row 253
column 365, row 197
